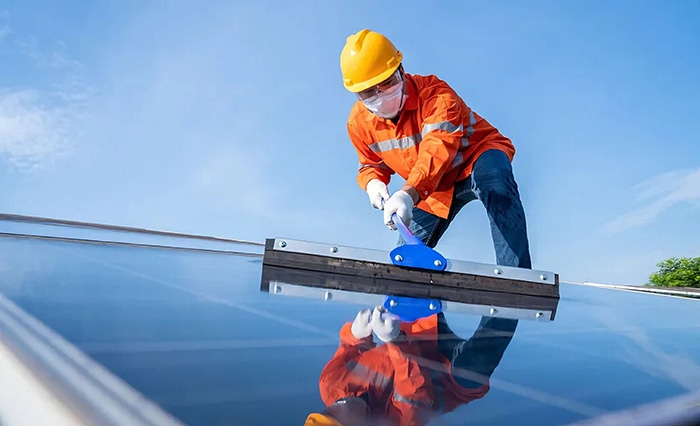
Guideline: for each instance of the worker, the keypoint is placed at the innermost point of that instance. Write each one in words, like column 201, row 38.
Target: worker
column 418, row 127
column 422, row 371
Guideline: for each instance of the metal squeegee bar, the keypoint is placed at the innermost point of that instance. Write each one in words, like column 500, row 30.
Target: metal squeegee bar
column 378, row 256
column 282, row 288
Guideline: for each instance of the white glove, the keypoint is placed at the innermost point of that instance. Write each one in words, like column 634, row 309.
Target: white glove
column 377, row 192
column 385, row 324
column 362, row 325
column 400, row 203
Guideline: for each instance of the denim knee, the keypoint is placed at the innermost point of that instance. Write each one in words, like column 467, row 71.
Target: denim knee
column 493, row 172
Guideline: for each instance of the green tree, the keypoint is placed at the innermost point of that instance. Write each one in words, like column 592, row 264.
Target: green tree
column 677, row 272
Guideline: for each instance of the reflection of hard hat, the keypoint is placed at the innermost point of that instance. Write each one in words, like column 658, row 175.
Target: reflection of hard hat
column 317, row 419
column 368, row 58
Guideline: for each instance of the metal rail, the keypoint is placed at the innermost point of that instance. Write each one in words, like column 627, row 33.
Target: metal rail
column 668, row 291
column 124, row 244
column 94, row 393
column 91, row 225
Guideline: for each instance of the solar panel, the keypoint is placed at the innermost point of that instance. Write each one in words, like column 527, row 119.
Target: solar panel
column 198, row 333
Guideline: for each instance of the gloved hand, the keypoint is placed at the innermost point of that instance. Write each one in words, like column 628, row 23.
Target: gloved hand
column 400, row 203
column 377, row 192
column 362, row 325
column 385, row 324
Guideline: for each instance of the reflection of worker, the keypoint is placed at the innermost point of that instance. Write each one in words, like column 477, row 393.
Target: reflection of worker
column 423, row 371
column 419, row 127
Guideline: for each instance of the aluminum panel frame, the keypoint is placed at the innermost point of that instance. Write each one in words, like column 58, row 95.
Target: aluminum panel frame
column 378, row 256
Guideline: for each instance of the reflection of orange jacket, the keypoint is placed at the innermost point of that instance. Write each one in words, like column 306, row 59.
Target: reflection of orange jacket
column 409, row 382
column 433, row 145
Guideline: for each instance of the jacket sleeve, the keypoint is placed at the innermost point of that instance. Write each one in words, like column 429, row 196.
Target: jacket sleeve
column 336, row 379
column 414, row 393
column 371, row 165
column 442, row 133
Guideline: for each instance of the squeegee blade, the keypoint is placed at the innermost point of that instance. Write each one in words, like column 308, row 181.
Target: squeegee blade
column 403, row 264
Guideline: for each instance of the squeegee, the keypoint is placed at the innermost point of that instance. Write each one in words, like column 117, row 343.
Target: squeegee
column 414, row 264
column 408, row 301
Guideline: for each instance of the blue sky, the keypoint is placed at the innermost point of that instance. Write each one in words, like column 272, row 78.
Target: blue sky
column 229, row 119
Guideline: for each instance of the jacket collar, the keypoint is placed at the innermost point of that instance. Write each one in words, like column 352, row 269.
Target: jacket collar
column 412, row 92
column 411, row 101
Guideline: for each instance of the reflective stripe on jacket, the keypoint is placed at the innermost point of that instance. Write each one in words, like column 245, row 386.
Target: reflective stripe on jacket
column 408, row 383
column 434, row 144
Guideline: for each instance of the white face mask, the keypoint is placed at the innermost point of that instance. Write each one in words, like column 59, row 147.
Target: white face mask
column 387, row 104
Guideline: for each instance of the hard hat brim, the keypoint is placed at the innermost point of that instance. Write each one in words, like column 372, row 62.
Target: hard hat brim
column 358, row 87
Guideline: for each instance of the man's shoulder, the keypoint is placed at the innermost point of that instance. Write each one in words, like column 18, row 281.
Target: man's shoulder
column 358, row 112
column 423, row 81
column 428, row 88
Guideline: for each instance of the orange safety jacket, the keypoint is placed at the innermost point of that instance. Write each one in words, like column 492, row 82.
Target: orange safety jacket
column 408, row 383
column 434, row 144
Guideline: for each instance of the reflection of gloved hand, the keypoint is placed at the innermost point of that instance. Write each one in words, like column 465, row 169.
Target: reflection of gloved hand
column 377, row 192
column 362, row 325
column 400, row 203
column 385, row 324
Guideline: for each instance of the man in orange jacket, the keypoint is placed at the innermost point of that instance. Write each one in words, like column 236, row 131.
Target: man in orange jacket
column 448, row 155
column 423, row 371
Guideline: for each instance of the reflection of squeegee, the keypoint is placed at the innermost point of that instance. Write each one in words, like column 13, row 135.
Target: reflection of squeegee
column 414, row 264
column 408, row 301
column 415, row 279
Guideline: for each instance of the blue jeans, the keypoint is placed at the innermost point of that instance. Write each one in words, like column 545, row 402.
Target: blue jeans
column 492, row 182
column 481, row 354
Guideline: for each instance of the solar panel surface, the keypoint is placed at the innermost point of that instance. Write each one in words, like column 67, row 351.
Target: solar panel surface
column 193, row 332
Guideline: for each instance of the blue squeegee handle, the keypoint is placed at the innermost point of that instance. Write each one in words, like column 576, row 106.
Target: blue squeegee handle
column 405, row 232
column 414, row 253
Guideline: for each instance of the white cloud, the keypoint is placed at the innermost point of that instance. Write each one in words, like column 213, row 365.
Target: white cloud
column 55, row 58
column 37, row 122
column 659, row 194
column 32, row 134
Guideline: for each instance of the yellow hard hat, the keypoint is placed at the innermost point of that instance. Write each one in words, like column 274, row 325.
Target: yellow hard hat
column 318, row 419
column 368, row 58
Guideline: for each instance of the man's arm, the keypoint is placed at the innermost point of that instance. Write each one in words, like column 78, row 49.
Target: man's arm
column 442, row 134
column 371, row 165
column 336, row 379
column 413, row 400
column 413, row 192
